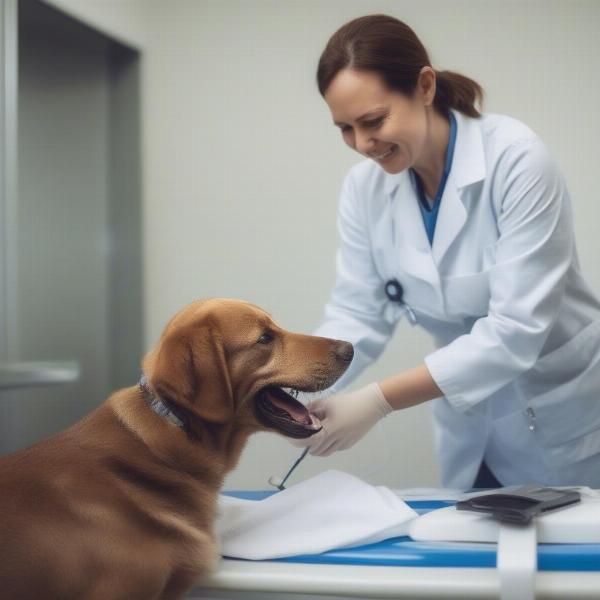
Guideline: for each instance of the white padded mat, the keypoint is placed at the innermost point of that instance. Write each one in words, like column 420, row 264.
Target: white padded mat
column 575, row 524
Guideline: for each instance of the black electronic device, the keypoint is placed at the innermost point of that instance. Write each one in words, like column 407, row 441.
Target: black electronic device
column 520, row 505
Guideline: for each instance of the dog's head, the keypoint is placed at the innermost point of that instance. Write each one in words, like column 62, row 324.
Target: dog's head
column 225, row 361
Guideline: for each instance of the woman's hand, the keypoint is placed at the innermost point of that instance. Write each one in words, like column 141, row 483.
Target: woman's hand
column 345, row 419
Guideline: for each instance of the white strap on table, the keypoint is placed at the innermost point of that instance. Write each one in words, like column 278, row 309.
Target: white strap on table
column 517, row 561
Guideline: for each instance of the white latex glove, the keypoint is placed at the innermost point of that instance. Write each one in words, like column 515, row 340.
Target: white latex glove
column 345, row 419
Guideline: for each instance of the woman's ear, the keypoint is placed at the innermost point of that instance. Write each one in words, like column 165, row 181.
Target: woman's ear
column 426, row 85
column 189, row 368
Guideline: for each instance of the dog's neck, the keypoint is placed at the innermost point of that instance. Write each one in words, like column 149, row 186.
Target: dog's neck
column 180, row 451
column 166, row 440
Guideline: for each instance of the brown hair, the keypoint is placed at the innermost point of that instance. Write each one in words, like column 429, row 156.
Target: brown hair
column 389, row 47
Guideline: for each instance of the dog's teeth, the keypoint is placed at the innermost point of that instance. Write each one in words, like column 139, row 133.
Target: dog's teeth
column 291, row 392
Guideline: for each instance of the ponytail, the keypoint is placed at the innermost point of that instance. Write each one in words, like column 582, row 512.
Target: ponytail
column 459, row 92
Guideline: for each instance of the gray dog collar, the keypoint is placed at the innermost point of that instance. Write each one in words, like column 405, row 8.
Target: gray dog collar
column 160, row 407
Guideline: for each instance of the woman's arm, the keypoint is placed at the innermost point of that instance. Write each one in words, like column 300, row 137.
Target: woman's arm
column 410, row 388
column 533, row 255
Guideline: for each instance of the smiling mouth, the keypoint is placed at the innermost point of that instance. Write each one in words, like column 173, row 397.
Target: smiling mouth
column 385, row 155
column 279, row 410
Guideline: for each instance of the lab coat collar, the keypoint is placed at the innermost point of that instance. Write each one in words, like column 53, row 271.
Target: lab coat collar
column 468, row 164
column 411, row 243
column 392, row 181
column 468, row 167
column 420, row 258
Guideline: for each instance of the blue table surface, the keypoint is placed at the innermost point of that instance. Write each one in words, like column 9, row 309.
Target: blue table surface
column 402, row 551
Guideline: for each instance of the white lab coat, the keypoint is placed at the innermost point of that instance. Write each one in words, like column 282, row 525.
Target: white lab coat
column 517, row 329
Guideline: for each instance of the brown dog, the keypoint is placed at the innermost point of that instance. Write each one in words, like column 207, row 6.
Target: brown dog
column 120, row 506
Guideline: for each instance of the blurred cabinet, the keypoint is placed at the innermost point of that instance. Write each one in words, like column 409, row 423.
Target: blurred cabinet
column 71, row 311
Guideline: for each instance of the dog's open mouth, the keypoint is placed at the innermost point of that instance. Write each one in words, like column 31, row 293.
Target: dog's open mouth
column 280, row 410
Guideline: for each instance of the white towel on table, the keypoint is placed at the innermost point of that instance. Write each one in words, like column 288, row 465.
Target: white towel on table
column 329, row 511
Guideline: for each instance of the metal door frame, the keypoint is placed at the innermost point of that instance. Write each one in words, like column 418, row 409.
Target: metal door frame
column 125, row 299
column 8, row 187
column 8, row 176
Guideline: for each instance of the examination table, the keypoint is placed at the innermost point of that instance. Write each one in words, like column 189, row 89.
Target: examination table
column 401, row 568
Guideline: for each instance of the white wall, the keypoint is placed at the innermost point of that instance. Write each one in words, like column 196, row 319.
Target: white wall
column 122, row 20
column 243, row 166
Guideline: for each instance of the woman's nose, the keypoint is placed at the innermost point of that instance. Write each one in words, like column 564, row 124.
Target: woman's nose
column 363, row 143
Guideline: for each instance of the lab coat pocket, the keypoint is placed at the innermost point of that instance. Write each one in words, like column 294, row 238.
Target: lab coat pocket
column 563, row 390
column 467, row 295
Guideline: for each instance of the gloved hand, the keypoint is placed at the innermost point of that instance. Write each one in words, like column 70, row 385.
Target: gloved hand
column 345, row 419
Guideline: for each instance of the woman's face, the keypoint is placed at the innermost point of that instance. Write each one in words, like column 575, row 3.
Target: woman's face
column 387, row 126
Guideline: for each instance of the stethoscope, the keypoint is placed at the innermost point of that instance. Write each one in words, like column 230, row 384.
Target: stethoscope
column 395, row 293
column 279, row 482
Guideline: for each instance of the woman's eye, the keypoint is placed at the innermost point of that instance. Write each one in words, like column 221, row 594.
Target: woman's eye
column 265, row 338
column 374, row 123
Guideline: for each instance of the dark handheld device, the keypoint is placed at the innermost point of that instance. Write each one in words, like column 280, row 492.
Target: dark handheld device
column 520, row 505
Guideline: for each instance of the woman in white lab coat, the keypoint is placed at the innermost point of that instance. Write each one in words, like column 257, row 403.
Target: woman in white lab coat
column 462, row 223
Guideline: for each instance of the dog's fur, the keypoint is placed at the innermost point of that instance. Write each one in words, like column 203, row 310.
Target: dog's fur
column 120, row 506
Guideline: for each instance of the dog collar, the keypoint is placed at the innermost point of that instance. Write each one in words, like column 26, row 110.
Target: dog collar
column 159, row 406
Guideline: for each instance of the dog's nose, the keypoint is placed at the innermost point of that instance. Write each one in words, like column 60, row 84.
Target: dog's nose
column 344, row 351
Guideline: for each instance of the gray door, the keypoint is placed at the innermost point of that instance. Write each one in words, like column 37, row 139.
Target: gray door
column 70, row 290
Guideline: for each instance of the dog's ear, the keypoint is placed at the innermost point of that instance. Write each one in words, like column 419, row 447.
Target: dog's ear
column 190, row 369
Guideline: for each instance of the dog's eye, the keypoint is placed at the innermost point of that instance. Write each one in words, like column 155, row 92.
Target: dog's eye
column 265, row 338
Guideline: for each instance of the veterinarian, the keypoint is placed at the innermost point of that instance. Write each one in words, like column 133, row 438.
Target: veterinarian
column 462, row 223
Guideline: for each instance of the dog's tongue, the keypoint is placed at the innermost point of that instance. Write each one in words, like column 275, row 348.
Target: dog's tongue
column 295, row 411
column 283, row 412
